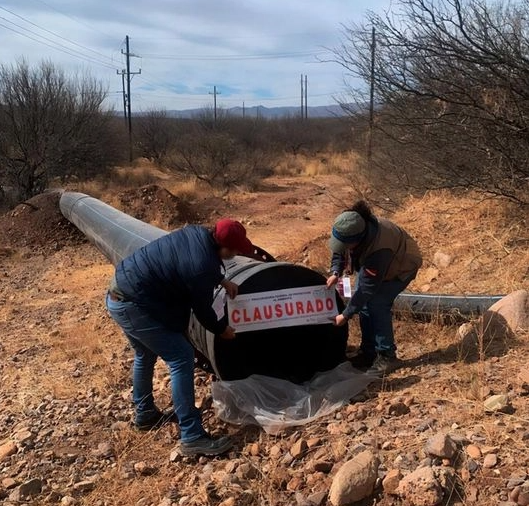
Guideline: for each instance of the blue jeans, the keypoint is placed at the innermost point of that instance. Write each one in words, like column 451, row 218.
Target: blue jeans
column 150, row 339
column 376, row 320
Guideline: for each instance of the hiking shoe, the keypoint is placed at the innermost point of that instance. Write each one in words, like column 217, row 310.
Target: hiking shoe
column 206, row 445
column 383, row 365
column 361, row 360
column 157, row 420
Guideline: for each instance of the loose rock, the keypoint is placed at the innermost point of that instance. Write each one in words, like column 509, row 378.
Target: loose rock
column 420, row 488
column 313, row 442
column 355, row 480
column 496, row 403
column 9, row 483
column 7, row 449
column 144, row 469
column 322, row 466
column 299, row 448
column 84, row 486
column 473, row 451
column 275, row 451
column 255, row 450
column 103, row 451
column 28, row 489
column 516, row 480
column 441, row 259
column 391, row 481
column 317, row 499
column 508, row 315
column 442, row 446
column 230, row 501
column 490, row 460
column 398, row 409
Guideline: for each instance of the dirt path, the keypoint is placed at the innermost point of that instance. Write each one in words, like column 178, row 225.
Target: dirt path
column 292, row 212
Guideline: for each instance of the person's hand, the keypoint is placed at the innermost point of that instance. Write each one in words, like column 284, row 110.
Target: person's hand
column 229, row 333
column 339, row 320
column 331, row 281
column 231, row 288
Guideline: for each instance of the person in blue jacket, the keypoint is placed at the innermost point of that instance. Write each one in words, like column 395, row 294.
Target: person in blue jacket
column 151, row 297
column 386, row 259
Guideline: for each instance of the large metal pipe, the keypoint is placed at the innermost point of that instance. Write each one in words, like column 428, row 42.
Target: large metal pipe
column 432, row 305
column 294, row 353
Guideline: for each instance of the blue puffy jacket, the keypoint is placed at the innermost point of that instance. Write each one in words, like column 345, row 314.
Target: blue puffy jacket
column 174, row 274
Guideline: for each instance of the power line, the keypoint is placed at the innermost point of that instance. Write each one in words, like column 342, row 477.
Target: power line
column 268, row 36
column 56, row 34
column 57, row 46
column 74, row 19
column 236, row 57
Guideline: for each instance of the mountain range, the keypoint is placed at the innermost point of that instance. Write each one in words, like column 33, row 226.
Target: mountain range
column 324, row 111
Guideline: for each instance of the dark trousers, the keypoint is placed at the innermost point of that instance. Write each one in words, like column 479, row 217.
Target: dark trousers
column 376, row 320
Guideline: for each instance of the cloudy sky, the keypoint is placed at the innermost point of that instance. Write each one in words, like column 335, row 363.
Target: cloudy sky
column 252, row 50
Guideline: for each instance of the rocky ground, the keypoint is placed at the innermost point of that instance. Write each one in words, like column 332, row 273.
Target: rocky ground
column 450, row 427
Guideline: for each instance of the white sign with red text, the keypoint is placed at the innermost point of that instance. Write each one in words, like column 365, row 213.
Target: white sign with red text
column 311, row 305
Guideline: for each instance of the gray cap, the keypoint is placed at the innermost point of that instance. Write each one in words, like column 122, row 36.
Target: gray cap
column 348, row 228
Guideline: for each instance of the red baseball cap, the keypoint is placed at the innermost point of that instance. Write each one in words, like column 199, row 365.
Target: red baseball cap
column 232, row 234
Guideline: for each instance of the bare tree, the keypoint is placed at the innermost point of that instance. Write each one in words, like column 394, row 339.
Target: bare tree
column 218, row 158
column 50, row 125
column 452, row 88
column 156, row 134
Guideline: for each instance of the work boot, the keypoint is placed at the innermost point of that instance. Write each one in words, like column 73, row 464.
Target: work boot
column 384, row 365
column 362, row 361
column 157, row 420
column 206, row 445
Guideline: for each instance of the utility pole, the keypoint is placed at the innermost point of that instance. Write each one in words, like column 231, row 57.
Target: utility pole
column 126, row 96
column 306, row 99
column 215, row 93
column 371, row 100
column 302, row 96
column 243, row 111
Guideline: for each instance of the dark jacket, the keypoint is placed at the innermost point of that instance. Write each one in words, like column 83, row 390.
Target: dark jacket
column 387, row 253
column 174, row 274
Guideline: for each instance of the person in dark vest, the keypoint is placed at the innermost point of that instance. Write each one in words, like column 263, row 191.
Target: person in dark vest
column 386, row 259
column 151, row 297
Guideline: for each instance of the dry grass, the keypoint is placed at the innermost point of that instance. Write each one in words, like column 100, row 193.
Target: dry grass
column 120, row 178
column 322, row 164
column 487, row 239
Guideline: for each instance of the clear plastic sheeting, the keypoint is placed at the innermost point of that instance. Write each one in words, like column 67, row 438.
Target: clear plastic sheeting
column 275, row 404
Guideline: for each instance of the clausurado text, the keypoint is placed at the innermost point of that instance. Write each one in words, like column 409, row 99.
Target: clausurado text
column 313, row 305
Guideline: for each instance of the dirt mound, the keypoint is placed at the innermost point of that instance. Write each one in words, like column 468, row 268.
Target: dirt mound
column 155, row 205
column 39, row 225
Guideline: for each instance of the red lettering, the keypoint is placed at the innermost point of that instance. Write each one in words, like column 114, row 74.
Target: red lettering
column 299, row 307
column 319, row 305
column 246, row 318
column 256, row 314
column 268, row 312
column 279, row 311
column 289, row 308
column 236, row 316
column 329, row 303
column 310, row 307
